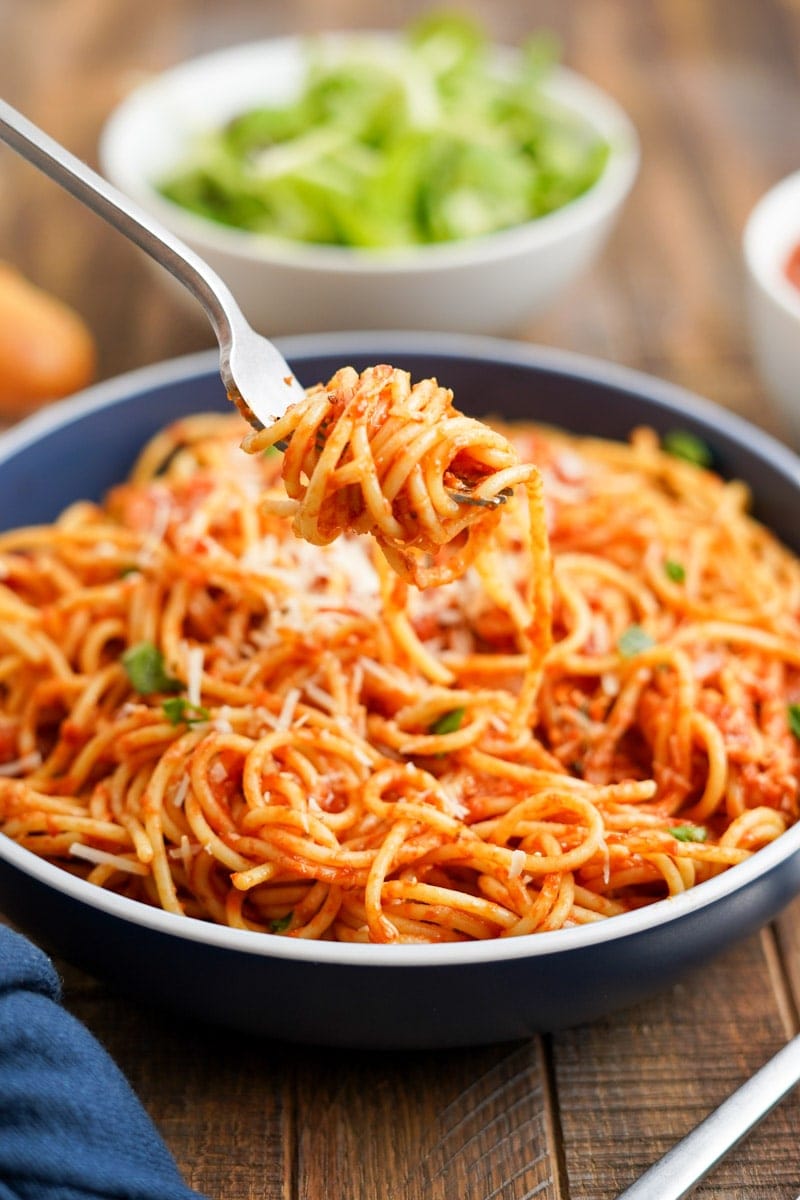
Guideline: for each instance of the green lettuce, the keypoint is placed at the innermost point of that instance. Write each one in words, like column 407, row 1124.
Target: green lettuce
column 418, row 141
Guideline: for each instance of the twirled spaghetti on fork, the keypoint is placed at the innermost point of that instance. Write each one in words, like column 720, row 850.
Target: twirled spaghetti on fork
column 375, row 453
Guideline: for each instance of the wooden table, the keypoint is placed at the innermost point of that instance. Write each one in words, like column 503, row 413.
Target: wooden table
column 713, row 88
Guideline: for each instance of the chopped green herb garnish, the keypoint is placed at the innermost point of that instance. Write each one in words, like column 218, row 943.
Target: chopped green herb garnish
column 675, row 570
column 281, row 924
column 634, row 640
column 680, row 443
column 178, row 709
column 689, row 833
column 145, row 668
column 270, row 451
column 793, row 715
column 129, row 570
column 449, row 722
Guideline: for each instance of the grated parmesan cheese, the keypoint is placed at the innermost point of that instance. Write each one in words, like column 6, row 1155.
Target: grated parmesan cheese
column 185, row 852
column 194, row 675
column 570, row 466
column 517, row 863
column 351, row 556
column 158, row 528
column 103, row 858
column 251, row 674
column 286, row 714
column 452, row 803
column 320, row 697
column 221, row 723
column 604, row 850
column 610, row 683
column 180, row 791
column 266, row 717
column 18, row 766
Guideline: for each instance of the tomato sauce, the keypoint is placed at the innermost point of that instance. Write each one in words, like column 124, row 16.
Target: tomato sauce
column 793, row 267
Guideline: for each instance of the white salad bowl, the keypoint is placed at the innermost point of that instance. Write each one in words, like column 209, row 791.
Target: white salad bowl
column 771, row 234
column 486, row 284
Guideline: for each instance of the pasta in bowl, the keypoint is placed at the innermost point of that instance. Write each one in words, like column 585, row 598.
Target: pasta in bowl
column 321, row 751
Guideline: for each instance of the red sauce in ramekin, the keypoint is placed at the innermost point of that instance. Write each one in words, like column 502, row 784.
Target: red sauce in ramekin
column 793, row 267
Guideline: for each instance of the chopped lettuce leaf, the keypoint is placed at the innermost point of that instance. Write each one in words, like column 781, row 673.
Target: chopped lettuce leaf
column 396, row 144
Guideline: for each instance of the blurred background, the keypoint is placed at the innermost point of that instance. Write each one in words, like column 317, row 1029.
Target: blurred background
column 713, row 87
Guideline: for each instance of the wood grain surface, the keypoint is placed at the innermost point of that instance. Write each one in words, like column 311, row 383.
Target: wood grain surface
column 714, row 89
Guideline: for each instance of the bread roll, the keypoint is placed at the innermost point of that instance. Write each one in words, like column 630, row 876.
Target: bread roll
column 46, row 350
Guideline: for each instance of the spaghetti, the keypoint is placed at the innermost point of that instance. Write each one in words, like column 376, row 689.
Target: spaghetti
column 203, row 712
column 374, row 453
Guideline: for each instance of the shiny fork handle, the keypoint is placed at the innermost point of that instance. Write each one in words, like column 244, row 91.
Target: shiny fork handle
column 686, row 1164
column 193, row 272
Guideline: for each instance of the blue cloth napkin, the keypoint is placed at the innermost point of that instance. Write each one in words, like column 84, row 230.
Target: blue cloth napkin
column 71, row 1127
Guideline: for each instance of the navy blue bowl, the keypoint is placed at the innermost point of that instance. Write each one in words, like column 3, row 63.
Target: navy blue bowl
column 384, row 996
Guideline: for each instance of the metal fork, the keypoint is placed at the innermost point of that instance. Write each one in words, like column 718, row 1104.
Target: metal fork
column 680, row 1170
column 256, row 376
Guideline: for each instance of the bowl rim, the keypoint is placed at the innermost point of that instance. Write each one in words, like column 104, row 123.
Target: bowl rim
column 123, row 388
column 602, row 111
column 769, row 236
column 660, row 913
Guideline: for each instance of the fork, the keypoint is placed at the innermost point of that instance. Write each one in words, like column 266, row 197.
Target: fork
column 255, row 374
column 684, row 1166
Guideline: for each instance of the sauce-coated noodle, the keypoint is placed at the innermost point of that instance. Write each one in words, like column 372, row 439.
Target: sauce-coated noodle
column 200, row 710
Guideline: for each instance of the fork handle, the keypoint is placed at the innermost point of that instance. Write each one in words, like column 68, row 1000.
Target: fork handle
column 686, row 1164
column 125, row 215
